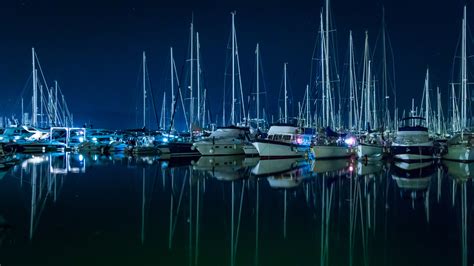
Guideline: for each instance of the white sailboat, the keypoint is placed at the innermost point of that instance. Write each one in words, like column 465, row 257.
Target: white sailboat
column 370, row 145
column 325, row 146
column 461, row 146
column 228, row 140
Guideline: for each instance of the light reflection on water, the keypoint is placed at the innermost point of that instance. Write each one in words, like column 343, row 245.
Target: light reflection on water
column 65, row 209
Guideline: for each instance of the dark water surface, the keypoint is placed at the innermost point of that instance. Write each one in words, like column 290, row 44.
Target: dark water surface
column 73, row 209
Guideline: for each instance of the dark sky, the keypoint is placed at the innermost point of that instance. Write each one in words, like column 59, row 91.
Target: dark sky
column 93, row 48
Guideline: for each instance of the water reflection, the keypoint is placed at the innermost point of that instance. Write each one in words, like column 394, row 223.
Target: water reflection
column 232, row 210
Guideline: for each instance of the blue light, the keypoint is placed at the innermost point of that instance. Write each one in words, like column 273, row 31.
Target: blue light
column 165, row 140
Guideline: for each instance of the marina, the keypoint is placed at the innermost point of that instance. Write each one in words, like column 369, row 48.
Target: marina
column 207, row 161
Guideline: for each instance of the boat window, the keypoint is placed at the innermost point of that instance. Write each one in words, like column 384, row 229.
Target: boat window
column 287, row 137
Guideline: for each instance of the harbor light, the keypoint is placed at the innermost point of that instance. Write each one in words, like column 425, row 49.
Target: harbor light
column 350, row 141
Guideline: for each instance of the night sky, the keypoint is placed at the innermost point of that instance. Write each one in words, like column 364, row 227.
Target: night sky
column 93, row 48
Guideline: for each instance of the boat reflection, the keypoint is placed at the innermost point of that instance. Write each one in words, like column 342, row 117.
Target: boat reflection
column 337, row 166
column 277, row 166
column 225, row 168
column 190, row 210
column 290, row 179
column 459, row 170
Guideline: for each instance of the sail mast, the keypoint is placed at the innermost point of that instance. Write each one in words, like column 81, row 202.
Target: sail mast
column 286, row 94
column 463, row 74
column 34, row 106
column 308, row 109
column 323, row 76
column 198, row 80
column 233, row 70
column 257, row 51
column 144, row 89
column 172, row 85
column 427, row 97
column 191, row 65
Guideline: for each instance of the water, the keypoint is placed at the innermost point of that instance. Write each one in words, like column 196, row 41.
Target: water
column 73, row 209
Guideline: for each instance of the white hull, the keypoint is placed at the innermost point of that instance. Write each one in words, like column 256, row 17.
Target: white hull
column 250, row 150
column 222, row 148
column 328, row 151
column 279, row 150
column 369, row 152
column 459, row 153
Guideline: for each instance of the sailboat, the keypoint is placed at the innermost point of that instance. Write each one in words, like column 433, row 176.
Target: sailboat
column 174, row 148
column 370, row 145
column 461, row 145
column 145, row 144
column 328, row 146
column 284, row 140
column 228, row 140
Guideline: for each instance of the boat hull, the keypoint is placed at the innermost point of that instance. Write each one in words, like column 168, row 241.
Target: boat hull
column 369, row 152
column 178, row 149
column 412, row 153
column 268, row 149
column 250, row 150
column 459, row 153
column 329, row 152
column 217, row 149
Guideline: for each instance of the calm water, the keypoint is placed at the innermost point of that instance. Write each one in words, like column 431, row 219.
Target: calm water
column 96, row 210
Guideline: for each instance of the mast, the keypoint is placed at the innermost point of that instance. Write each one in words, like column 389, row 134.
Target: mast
column 172, row 84
column 286, row 94
column 427, row 97
column 369, row 82
column 56, row 103
column 233, row 69
column 351, row 80
column 198, row 46
column 257, row 52
column 34, row 115
column 203, row 121
column 328, row 84
column 384, row 72
column 144, row 89
column 463, row 74
column 308, row 109
column 163, row 112
column 438, row 129
column 41, row 105
column 323, row 76
column 191, row 99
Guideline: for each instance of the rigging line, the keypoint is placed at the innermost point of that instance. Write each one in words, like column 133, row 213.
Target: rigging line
column 152, row 95
column 17, row 102
column 175, row 105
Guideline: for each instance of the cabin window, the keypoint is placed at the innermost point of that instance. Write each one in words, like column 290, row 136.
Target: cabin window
column 287, row 137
